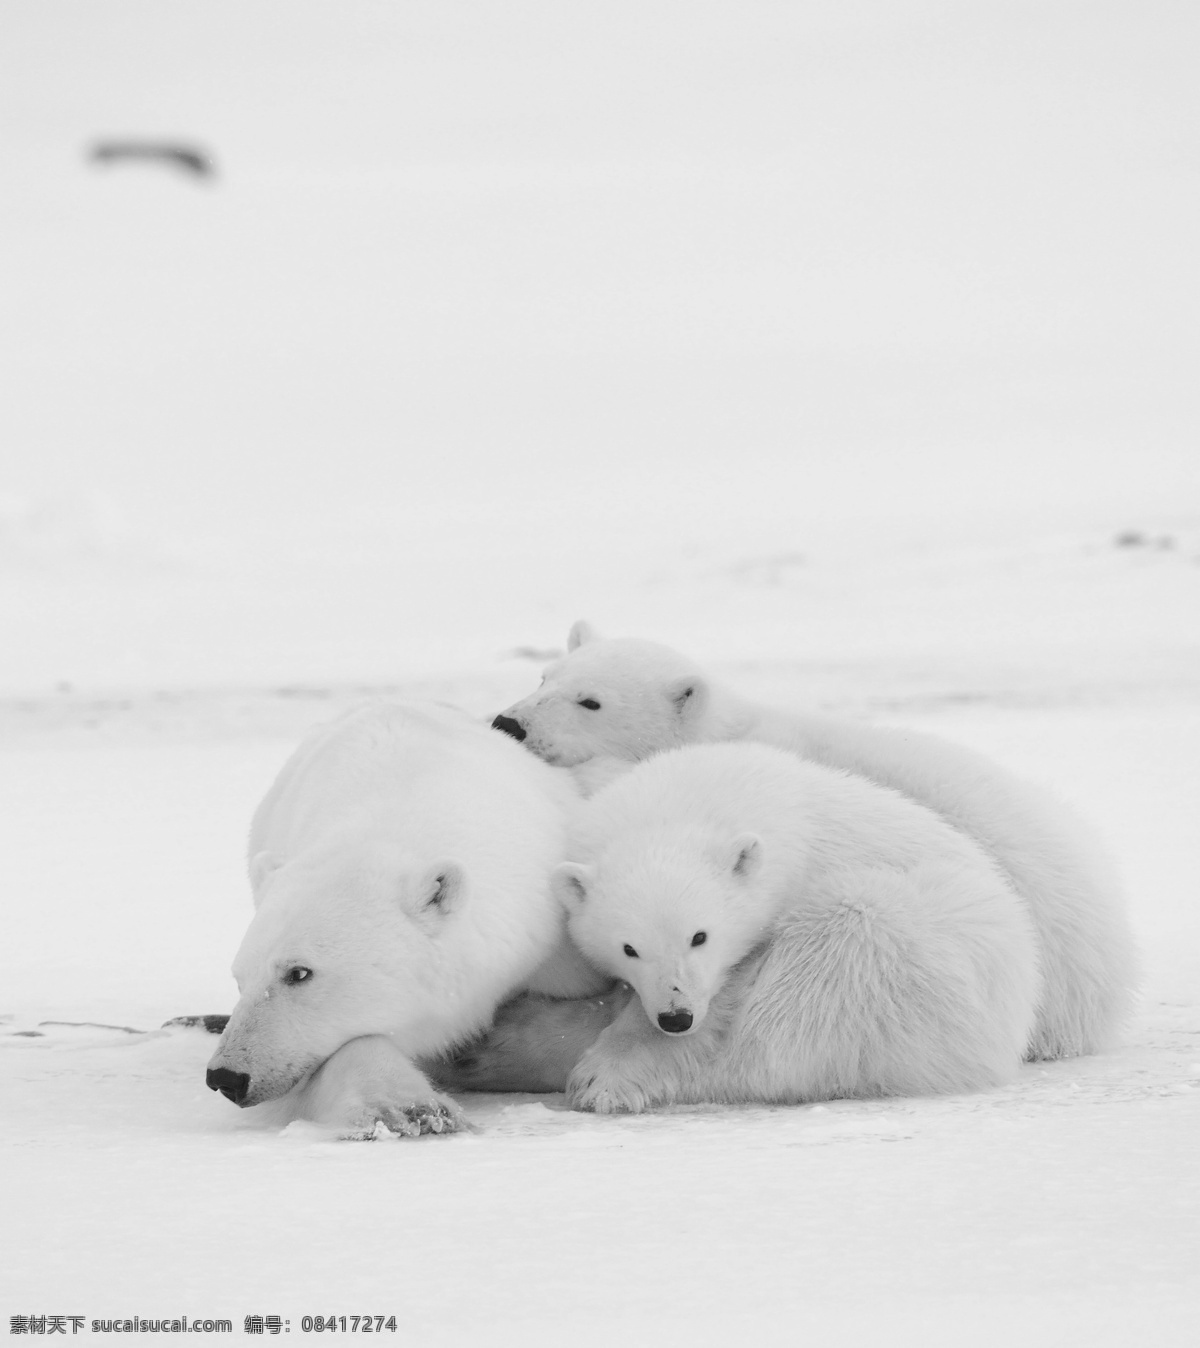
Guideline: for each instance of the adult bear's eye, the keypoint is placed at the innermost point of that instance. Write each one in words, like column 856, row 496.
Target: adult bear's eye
column 297, row 974
column 699, row 938
column 631, row 952
column 590, row 703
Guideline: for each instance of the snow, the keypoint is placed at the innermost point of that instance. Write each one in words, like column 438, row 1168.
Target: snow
column 850, row 347
column 725, row 286
column 1063, row 1207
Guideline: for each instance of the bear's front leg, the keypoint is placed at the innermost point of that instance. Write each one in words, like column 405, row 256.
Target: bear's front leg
column 631, row 1067
column 533, row 1046
column 369, row 1081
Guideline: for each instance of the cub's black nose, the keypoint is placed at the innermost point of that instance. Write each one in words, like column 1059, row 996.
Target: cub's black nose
column 232, row 1085
column 675, row 1022
column 509, row 726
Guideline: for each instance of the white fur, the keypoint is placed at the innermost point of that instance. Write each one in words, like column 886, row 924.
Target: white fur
column 855, row 944
column 652, row 698
column 403, row 856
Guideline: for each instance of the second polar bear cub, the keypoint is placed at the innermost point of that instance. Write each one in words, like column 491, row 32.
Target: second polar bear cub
column 793, row 933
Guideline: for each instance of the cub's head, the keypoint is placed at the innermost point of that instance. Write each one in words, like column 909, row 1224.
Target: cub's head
column 339, row 948
column 613, row 698
column 669, row 915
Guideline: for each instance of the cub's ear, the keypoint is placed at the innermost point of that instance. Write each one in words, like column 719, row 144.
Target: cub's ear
column 745, row 856
column 688, row 696
column 261, row 865
column 442, row 890
column 580, row 634
column 570, row 882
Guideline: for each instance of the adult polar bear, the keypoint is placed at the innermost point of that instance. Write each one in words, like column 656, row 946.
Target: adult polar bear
column 793, row 933
column 628, row 699
column 401, row 873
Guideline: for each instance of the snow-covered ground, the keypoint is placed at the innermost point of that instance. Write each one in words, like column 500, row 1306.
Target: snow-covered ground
column 1065, row 1208
column 850, row 346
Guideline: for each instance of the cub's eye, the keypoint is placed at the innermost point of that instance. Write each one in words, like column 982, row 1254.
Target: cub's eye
column 297, row 974
column 699, row 938
column 590, row 703
column 631, row 952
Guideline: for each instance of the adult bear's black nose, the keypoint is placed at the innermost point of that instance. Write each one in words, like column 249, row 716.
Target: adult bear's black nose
column 509, row 726
column 232, row 1085
column 675, row 1022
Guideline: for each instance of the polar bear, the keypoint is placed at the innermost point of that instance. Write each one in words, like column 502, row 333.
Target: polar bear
column 613, row 700
column 401, row 873
column 793, row 933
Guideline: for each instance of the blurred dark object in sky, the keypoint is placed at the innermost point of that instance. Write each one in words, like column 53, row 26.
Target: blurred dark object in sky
column 171, row 153
column 1134, row 538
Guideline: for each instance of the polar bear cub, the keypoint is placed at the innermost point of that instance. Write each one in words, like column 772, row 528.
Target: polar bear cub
column 613, row 700
column 401, row 872
column 792, row 933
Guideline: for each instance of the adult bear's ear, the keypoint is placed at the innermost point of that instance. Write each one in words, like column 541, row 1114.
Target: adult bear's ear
column 688, row 696
column 580, row 634
column 745, row 855
column 442, row 890
column 570, row 883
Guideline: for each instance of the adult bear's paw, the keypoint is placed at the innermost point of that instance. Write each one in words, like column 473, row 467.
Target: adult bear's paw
column 367, row 1084
column 437, row 1115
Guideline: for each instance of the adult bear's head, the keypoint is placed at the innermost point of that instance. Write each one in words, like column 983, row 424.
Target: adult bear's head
column 343, row 944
